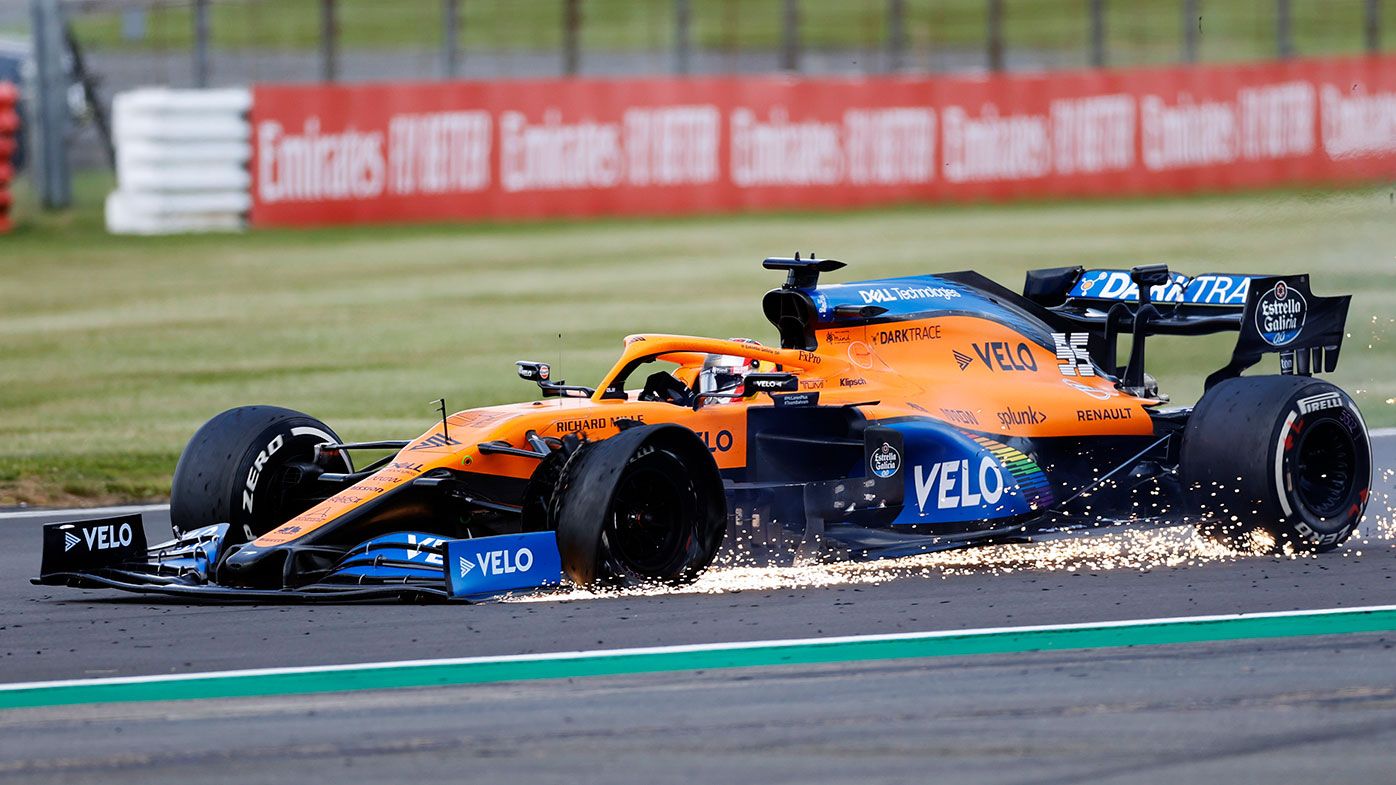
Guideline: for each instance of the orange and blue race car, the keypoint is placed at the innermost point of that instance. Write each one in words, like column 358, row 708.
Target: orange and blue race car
column 890, row 417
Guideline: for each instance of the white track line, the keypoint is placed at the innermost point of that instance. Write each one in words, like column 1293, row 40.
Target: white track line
column 84, row 511
column 687, row 648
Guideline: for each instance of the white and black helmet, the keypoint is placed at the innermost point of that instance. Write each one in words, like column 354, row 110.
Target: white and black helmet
column 725, row 374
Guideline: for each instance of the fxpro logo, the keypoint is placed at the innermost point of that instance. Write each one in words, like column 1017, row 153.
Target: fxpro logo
column 954, row 486
column 501, row 562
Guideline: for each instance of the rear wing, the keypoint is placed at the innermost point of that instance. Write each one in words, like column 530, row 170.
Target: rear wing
column 1273, row 314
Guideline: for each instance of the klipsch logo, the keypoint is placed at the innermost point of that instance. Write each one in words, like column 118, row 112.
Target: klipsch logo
column 1279, row 314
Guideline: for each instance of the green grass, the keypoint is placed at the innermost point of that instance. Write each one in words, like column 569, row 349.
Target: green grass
column 116, row 348
column 1137, row 31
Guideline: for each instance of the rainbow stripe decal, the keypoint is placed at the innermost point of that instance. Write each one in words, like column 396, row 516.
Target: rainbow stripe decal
column 1032, row 481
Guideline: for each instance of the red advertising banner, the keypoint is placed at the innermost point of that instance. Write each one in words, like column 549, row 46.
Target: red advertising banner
column 582, row 147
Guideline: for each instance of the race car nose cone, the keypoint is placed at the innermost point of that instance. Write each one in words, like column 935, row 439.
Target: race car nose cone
column 254, row 568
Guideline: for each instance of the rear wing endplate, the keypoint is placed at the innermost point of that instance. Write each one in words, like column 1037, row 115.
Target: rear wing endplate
column 1274, row 314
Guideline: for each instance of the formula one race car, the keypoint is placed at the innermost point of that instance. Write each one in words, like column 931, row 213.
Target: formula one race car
column 896, row 416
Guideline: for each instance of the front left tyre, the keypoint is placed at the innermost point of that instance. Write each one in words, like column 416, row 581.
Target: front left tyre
column 246, row 467
column 643, row 507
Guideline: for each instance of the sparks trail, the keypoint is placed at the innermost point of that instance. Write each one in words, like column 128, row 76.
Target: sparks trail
column 1138, row 550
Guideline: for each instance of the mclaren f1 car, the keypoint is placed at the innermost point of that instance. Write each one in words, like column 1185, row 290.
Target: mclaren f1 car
column 890, row 417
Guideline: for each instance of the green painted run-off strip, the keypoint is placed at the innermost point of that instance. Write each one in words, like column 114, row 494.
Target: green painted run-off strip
column 478, row 670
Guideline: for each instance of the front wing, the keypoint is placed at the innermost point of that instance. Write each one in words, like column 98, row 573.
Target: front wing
column 111, row 553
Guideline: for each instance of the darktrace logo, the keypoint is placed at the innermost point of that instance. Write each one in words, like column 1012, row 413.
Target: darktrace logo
column 885, row 461
column 1280, row 314
column 929, row 332
column 961, row 359
column 1009, row 418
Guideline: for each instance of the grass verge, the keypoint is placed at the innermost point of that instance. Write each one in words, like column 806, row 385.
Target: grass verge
column 116, row 348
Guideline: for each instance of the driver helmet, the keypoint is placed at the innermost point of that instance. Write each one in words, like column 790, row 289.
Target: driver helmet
column 725, row 373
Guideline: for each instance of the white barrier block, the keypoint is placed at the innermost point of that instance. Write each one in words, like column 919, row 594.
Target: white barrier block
column 182, row 160
column 125, row 216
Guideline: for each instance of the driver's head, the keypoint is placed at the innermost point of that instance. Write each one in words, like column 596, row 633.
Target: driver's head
column 724, row 373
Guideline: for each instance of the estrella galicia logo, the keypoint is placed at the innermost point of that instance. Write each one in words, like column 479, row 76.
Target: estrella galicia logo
column 885, row 461
column 1280, row 314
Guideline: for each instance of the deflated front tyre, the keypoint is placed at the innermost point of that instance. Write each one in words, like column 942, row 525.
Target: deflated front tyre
column 645, row 506
column 1276, row 461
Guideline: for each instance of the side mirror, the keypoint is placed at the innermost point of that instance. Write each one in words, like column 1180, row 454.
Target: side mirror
column 770, row 383
column 534, row 372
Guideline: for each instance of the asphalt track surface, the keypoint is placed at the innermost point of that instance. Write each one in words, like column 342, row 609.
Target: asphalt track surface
column 1281, row 710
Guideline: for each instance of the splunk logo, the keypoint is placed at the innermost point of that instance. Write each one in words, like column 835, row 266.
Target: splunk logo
column 1009, row 418
column 500, row 562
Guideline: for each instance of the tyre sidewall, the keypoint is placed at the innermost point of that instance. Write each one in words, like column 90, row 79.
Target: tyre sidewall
column 683, row 568
column 1240, row 455
column 1300, row 418
column 583, row 503
column 231, row 470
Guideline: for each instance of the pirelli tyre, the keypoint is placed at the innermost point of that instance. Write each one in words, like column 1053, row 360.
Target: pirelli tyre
column 246, row 467
column 1276, row 463
column 645, row 506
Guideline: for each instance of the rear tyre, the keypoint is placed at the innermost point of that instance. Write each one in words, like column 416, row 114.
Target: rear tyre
column 243, row 467
column 642, row 507
column 1270, row 462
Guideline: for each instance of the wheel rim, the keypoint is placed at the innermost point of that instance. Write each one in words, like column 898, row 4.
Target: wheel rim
column 649, row 528
column 1325, row 468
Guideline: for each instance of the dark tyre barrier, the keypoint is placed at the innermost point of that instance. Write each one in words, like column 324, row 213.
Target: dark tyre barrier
column 1283, row 456
column 644, row 506
column 243, row 466
column 9, row 136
